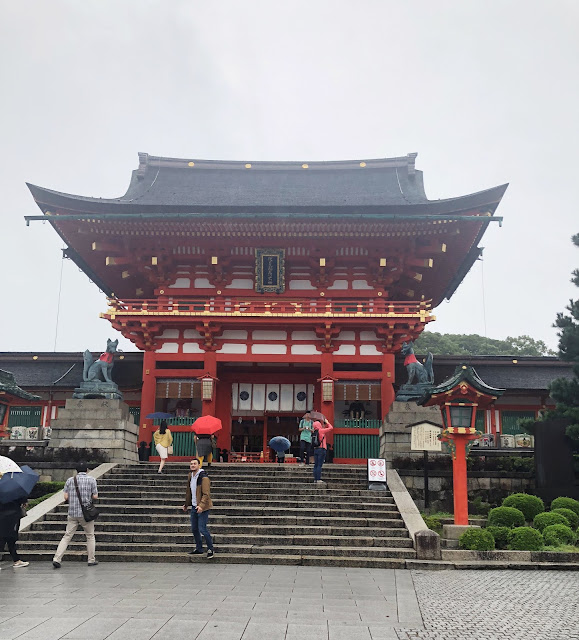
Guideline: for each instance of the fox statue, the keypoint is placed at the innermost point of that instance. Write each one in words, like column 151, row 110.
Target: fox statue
column 422, row 372
column 104, row 365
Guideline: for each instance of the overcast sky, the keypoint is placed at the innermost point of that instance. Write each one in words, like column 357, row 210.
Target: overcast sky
column 485, row 91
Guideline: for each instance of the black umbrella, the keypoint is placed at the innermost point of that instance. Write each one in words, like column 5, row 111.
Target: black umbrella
column 17, row 484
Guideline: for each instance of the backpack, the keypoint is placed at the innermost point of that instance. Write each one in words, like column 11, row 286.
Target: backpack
column 316, row 440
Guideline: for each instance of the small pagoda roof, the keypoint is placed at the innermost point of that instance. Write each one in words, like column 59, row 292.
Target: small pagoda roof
column 173, row 185
column 8, row 387
column 462, row 373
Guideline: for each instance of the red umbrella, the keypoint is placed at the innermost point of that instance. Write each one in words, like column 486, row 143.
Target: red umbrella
column 206, row 425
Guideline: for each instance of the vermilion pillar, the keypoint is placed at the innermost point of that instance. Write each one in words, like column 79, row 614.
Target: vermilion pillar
column 148, row 394
column 458, row 439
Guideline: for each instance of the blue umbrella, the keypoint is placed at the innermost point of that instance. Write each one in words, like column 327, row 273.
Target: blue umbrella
column 159, row 415
column 17, row 484
column 280, row 444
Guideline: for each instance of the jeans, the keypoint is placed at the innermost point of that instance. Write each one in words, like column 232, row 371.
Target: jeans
column 11, row 542
column 199, row 528
column 71, row 527
column 305, row 450
column 319, row 459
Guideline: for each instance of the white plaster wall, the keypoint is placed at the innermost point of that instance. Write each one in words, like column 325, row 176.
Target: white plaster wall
column 271, row 349
column 369, row 350
column 170, row 333
column 192, row 347
column 191, row 333
column 346, row 350
column 301, row 285
column 346, row 335
column 368, row 335
column 232, row 334
column 269, row 335
column 339, row 284
column 304, row 349
column 240, row 283
column 233, row 348
column 360, row 284
column 169, row 347
column 181, row 283
column 304, row 335
column 203, row 283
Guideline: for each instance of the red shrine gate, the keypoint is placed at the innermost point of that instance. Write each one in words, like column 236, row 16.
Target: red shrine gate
column 260, row 290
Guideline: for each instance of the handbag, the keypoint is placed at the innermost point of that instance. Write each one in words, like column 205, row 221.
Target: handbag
column 170, row 450
column 89, row 511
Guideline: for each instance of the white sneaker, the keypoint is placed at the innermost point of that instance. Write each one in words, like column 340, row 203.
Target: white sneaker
column 20, row 563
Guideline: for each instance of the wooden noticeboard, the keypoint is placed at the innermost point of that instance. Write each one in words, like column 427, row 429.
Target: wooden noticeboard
column 424, row 437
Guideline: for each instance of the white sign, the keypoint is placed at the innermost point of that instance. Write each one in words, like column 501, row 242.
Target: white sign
column 376, row 470
column 425, row 437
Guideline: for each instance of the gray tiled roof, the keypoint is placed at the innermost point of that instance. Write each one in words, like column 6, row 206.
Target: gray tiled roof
column 209, row 186
column 64, row 371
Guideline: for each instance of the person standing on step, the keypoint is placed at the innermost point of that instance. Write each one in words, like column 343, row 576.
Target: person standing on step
column 10, row 515
column 204, row 448
column 198, row 497
column 163, row 443
column 306, row 429
column 86, row 486
column 319, row 440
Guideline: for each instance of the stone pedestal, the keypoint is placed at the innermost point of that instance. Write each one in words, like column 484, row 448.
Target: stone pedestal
column 97, row 424
column 394, row 434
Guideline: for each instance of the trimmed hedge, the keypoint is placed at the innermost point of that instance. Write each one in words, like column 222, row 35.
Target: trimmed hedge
column 547, row 518
column 433, row 523
column 42, row 488
column 565, row 503
column 501, row 536
column 477, row 540
column 557, row 534
column 506, row 517
column 571, row 516
column 529, row 505
column 525, row 539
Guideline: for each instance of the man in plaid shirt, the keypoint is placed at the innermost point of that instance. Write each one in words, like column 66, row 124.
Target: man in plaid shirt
column 87, row 487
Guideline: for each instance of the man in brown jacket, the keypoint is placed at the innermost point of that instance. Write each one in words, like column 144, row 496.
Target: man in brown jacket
column 198, row 497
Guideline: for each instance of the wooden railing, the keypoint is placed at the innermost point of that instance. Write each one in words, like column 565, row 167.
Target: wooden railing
column 267, row 307
column 351, row 423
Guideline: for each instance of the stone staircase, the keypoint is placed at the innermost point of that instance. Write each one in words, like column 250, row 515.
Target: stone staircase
column 265, row 514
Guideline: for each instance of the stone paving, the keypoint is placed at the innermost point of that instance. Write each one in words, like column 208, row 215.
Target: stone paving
column 163, row 601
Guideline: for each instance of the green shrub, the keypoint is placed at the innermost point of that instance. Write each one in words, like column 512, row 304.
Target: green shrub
column 433, row 522
column 42, row 488
column 547, row 518
column 558, row 534
column 525, row 539
column 529, row 505
column 506, row 517
column 479, row 507
column 477, row 539
column 35, row 501
column 571, row 516
column 501, row 536
column 565, row 503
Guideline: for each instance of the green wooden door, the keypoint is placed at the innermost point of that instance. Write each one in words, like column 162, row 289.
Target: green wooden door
column 25, row 417
column 356, row 446
column 510, row 421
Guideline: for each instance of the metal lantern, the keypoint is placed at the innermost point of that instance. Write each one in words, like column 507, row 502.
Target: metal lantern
column 327, row 390
column 207, row 387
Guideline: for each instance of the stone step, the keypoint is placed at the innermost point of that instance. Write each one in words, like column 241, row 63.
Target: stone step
column 169, row 547
column 184, row 537
column 236, row 511
column 226, row 558
column 315, row 492
column 346, row 503
column 241, row 529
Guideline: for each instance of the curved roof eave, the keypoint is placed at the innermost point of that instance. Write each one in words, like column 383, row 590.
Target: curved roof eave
column 48, row 198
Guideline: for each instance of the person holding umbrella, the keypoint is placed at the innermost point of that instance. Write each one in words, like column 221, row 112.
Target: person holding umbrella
column 306, row 431
column 205, row 429
column 15, row 486
column 280, row 445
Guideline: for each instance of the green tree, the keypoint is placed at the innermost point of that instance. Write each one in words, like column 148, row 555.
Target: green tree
column 454, row 344
column 565, row 391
